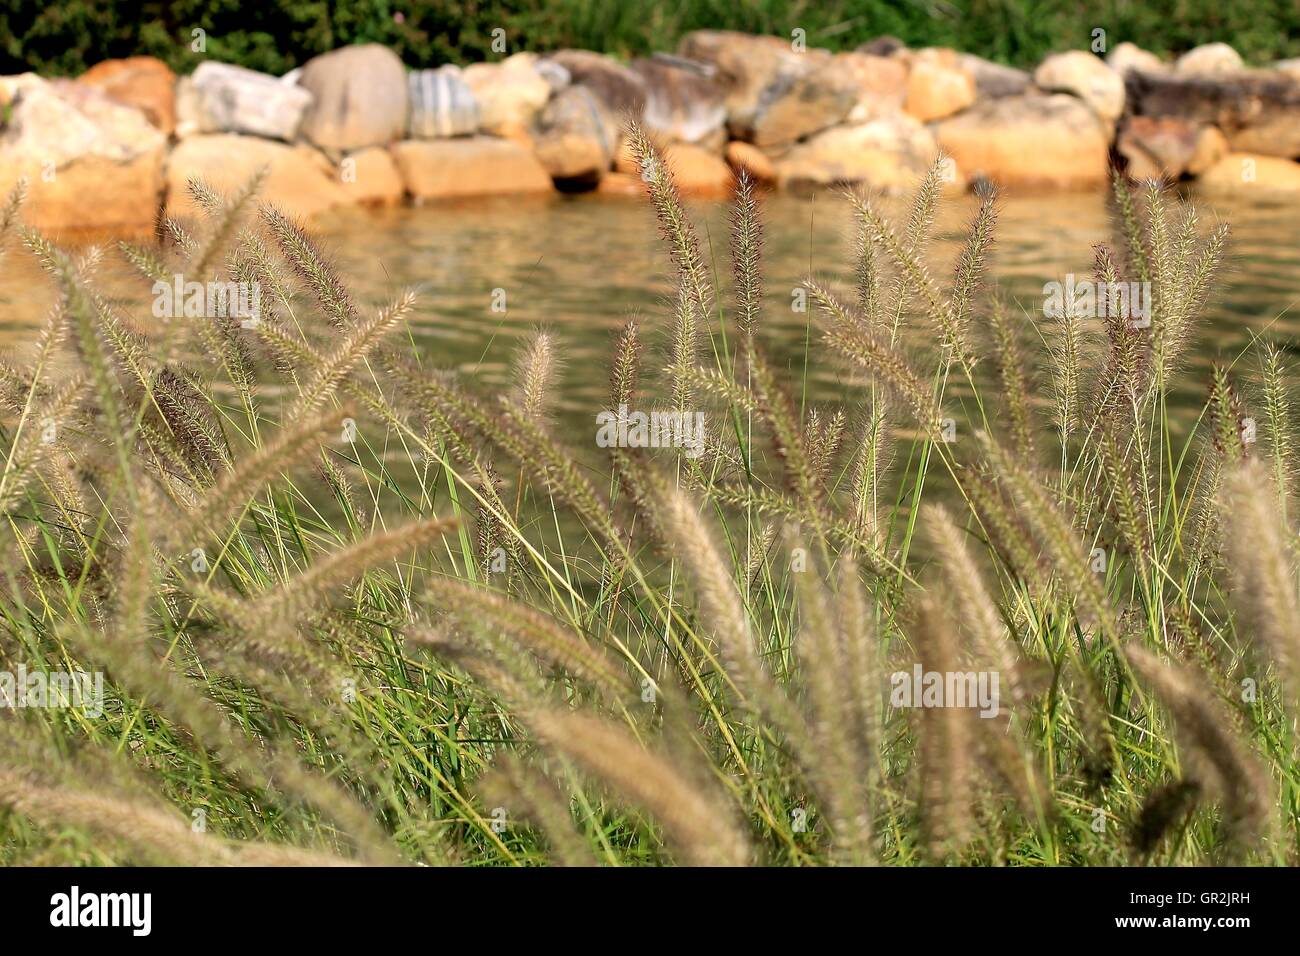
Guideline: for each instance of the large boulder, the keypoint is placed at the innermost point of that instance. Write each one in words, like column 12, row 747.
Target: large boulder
column 1211, row 59
column 57, row 122
column 991, row 79
column 775, row 94
column 683, row 101
column 817, row 97
column 360, row 98
column 474, row 166
column 619, row 90
column 698, row 171
column 1129, row 56
column 11, row 86
column 1034, row 140
column 511, row 93
column 90, row 162
column 881, row 84
column 937, row 55
column 1211, row 146
column 748, row 157
column 221, row 98
column 90, row 195
column 1084, row 75
column 442, row 104
column 576, row 137
column 1244, row 174
column 299, row 179
column 144, row 82
column 937, row 86
column 1164, row 147
column 747, row 68
column 889, row 153
column 1257, row 110
column 370, row 177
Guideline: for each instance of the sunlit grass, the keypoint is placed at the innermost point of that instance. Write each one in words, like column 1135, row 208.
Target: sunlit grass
column 352, row 605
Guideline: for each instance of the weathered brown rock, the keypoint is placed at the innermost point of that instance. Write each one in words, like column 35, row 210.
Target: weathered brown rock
column 1211, row 59
column 575, row 137
column 475, row 166
column 741, row 155
column 683, row 101
column 1129, row 56
column 90, row 194
column 1244, row 174
column 1166, row 147
column 1257, row 110
column 90, row 163
column 1084, row 75
column 889, row 153
column 144, row 82
column 775, row 94
column 300, row 180
column 360, row 98
column 750, row 69
column 1211, row 146
column 620, row 91
column 509, row 94
column 991, row 79
column 881, row 84
column 371, row 177
column 697, row 171
column 818, row 96
column 936, row 88
column 1029, row 141
column 56, row 122
column 943, row 56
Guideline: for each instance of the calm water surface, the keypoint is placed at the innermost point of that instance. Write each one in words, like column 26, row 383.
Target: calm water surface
column 582, row 265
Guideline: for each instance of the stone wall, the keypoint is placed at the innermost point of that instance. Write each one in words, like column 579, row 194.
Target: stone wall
column 111, row 148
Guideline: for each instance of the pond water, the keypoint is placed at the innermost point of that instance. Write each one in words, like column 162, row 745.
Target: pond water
column 580, row 265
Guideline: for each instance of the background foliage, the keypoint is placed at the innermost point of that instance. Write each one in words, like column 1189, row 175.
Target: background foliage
column 275, row 36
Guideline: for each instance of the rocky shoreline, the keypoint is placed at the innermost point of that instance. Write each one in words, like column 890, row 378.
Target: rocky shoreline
column 111, row 148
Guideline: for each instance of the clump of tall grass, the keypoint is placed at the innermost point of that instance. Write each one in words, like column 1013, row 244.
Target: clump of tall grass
column 309, row 564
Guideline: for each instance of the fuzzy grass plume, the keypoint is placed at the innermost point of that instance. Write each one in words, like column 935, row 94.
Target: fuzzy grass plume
column 358, row 608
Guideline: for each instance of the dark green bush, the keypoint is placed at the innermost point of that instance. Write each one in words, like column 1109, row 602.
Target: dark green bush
column 275, row 36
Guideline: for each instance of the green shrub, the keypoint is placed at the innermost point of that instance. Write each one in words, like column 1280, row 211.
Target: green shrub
column 67, row 38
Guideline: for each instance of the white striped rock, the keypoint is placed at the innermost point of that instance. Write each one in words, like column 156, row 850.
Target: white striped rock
column 442, row 104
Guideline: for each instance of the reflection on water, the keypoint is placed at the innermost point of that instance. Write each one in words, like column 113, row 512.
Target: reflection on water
column 581, row 265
